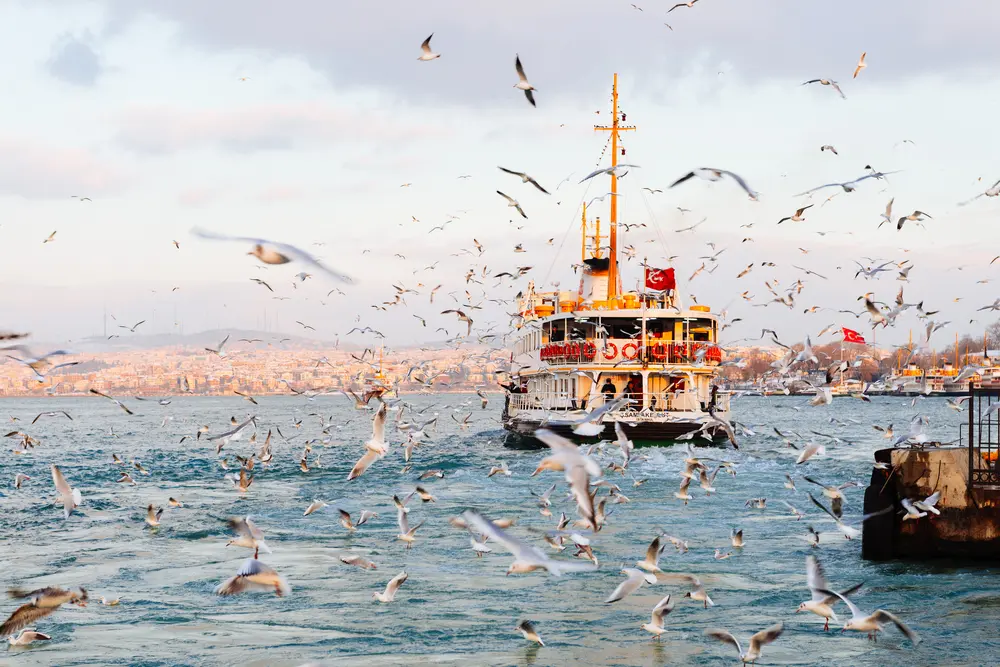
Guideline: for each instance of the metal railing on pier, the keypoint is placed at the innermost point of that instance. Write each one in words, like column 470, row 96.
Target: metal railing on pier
column 984, row 437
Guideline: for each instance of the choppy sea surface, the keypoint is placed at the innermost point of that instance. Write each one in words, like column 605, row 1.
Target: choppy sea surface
column 454, row 608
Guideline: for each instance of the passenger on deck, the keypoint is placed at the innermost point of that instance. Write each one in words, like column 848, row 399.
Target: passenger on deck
column 633, row 391
column 608, row 389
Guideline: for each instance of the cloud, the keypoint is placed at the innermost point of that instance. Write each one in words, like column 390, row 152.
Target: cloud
column 37, row 171
column 569, row 47
column 281, row 193
column 262, row 128
column 199, row 196
column 74, row 61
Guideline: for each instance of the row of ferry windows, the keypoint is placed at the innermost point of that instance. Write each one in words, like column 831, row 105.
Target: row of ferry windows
column 558, row 331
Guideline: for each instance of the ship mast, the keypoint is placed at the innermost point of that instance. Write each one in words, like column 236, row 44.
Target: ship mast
column 614, row 129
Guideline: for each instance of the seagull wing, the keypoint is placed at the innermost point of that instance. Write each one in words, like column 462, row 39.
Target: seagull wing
column 369, row 457
column 765, row 636
column 520, row 550
column 425, row 46
column 816, row 578
column 378, row 424
column 627, row 587
column 725, row 637
column 662, row 608
column 520, row 70
column 882, row 616
column 395, row 583
column 22, row 617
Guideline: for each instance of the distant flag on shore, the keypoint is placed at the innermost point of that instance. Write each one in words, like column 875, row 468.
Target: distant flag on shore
column 852, row 336
column 660, row 279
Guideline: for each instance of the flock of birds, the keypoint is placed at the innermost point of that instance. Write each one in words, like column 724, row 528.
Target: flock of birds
column 586, row 471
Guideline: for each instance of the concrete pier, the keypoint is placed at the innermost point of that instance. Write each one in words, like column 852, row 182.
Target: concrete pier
column 969, row 523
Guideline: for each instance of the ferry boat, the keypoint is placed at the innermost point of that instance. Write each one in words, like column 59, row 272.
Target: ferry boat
column 606, row 356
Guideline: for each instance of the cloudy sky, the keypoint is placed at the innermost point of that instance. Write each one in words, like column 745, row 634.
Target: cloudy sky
column 140, row 107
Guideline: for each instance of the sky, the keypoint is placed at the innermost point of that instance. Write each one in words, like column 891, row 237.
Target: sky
column 301, row 121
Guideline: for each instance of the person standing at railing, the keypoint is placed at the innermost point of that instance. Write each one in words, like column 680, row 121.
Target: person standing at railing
column 608, row 389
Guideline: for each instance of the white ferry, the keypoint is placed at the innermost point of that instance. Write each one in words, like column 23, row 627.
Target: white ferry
column 587, row 359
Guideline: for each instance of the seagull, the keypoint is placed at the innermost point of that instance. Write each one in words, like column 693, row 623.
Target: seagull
column 635, row 580
column 928, row 503
column 249, row 535
column 406, row 534
column 526, row 557
column 273, row 252
column 527, row 628
column 522, row 81
column 26, row 637
column 375, row 448
column 42, row 602
column 51, row 237
column 358, row 561
column 651, row 562
column 916, row 216
column 827, row 82
column 219, row 350
column 873, row 623
column 70, row 497
column 608, row 170
column 52, row 414
column 525, row 178
column 391, row 588
column 699, row 592
column 153, row 516
column 660, row 611
column 797, row 217
column 688, row 4
column 821, row 603
column 511, row 202
column 830, row 148
column 461, row 316
column 711, row 174
column 113, row 400
column 992, row 191
column 133, row 327
column 425, row 48
column 861, row 65
column 254, row 575
column 757, row 641
column 19, row 479
column 314, row 506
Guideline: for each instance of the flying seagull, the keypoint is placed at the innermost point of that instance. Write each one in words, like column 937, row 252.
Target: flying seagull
column 525, row 178
column 522, row 83
column 273, row 252
column 827, row 82
column 511, row 202
column 425, row 47
column 711, row 174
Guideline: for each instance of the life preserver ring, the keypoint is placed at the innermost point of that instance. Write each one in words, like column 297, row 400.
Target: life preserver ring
column 610, row 351
column 630, row 350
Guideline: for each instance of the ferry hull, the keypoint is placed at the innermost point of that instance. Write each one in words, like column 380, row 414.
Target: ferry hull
column 520, row 433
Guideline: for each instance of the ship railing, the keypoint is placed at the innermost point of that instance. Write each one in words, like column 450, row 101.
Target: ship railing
column 630, row 351
column 662, row 401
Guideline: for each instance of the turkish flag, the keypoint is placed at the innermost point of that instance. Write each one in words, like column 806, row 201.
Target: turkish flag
column 660, row 279
column 852, row 336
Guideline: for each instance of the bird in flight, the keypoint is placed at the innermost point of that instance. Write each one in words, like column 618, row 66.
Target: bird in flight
column 522, row 83
column 425, row 48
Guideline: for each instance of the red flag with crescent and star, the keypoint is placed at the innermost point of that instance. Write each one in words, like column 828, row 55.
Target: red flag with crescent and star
column 852, row 336
column 660, row 279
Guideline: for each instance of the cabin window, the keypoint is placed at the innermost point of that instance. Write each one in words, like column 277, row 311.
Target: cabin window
column 701, row 330
column 558, row 334
column 581, row 330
